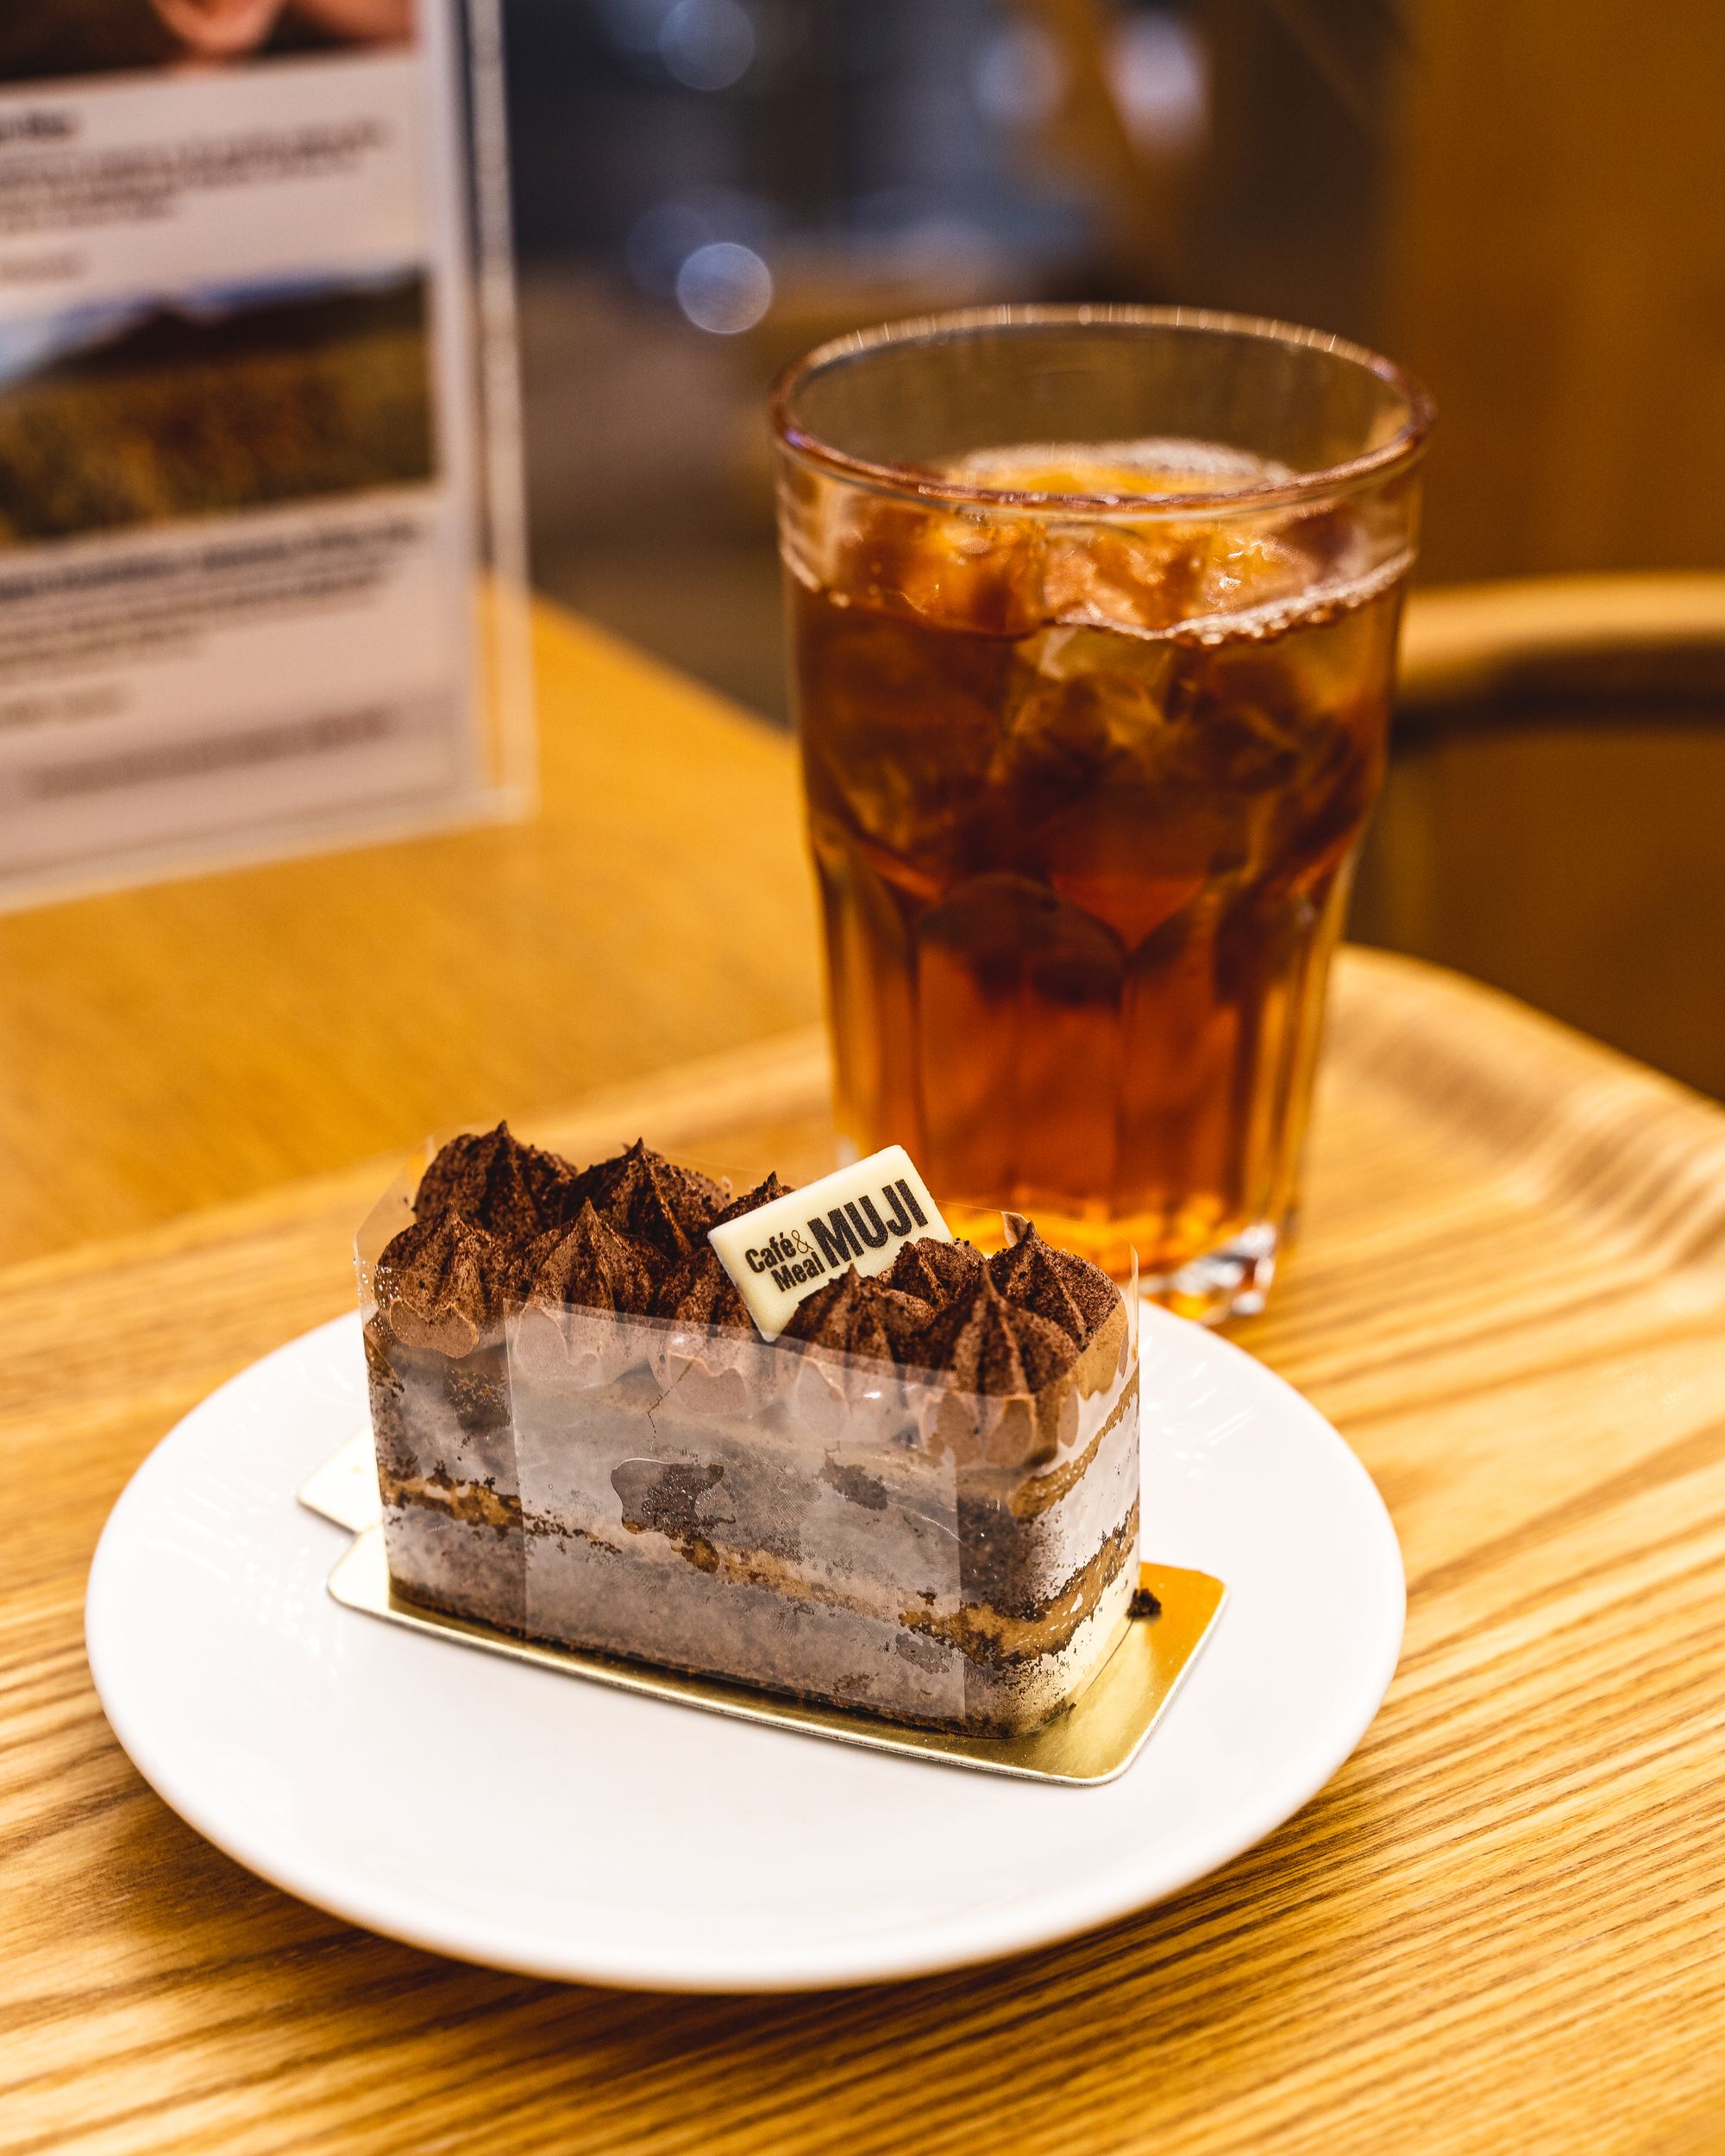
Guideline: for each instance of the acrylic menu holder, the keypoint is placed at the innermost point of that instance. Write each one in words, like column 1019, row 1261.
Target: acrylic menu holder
column 701, row 1517
column 262, row 565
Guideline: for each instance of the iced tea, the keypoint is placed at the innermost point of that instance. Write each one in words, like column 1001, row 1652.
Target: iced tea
column 1084, row 794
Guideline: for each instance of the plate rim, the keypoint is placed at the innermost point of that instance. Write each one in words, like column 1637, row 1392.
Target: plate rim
column 1107, row 1895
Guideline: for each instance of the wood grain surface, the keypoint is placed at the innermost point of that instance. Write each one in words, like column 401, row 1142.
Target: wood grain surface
column 177, row 1046
column 1498, row 1929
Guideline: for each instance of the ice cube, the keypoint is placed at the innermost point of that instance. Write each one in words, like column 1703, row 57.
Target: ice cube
column 1067, row 654
column 1142, row 576
column 977, row 571
column 1084, row 704
column 1164, row 576
column 899, row 725
column 1068, row 739
column 1247, row 728
column 1249, row 564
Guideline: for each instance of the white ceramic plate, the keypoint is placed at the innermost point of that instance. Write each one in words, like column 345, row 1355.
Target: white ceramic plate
column 524, row 1819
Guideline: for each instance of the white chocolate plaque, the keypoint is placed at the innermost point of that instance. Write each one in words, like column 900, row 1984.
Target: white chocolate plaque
column 862, row 1215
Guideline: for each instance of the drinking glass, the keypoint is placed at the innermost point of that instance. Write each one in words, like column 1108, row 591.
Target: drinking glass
column 1093, row 618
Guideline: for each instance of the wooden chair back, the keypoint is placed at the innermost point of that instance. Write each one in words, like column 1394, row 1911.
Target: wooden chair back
column 1553, row 822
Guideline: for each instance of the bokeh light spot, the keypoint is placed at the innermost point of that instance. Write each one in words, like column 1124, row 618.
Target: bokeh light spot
column 724, row 288
column 708, row 44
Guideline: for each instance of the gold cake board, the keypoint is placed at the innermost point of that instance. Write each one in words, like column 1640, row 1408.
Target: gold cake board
column 1094, row 1739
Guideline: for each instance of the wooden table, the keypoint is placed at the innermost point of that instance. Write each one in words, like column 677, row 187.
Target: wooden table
column 173, row 1047
column 1499, row 1928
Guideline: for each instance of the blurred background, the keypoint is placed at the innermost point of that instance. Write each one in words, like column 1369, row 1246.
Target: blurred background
column 1519, row 203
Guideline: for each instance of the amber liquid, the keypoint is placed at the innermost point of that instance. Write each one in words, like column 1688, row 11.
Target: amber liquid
column 1083, row 859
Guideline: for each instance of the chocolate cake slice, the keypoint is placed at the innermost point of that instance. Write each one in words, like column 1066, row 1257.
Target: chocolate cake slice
column 921, row 1500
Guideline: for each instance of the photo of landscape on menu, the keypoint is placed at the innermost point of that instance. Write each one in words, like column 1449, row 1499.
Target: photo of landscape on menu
column 146, row 411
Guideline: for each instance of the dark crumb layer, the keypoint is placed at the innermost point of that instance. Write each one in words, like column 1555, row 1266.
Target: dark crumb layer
column 994, row 1638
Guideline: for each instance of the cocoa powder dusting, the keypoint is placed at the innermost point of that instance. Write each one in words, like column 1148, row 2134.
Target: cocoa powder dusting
column 598, row 1268
column 991, row 1345
column 445, row 1283
column 858, row 1316
column 642, row 1194
column 1053, row 1284
column 701, row 1292
column 933, row 1269
column 514, row 1190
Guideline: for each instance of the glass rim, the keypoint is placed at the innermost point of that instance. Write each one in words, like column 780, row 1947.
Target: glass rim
column 1403, row 448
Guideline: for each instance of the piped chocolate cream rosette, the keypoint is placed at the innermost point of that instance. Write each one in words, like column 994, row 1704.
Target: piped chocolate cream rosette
column 516, row 1191
column 1055, row 1285
column 583, row 1311
column 1008, row 1401
column 446, row 1284
column 651, row 1199
column 856, row 1334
